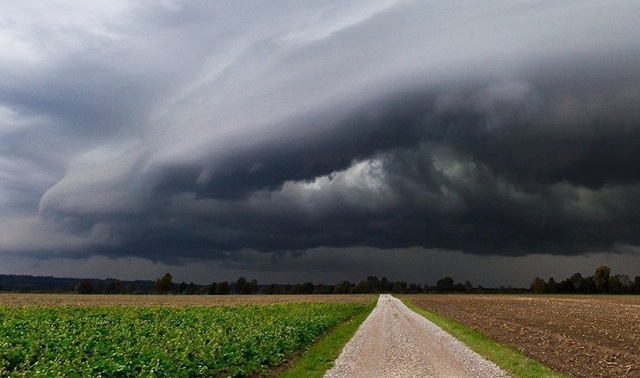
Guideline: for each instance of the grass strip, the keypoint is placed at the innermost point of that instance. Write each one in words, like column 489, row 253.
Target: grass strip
column 512, row 361
column 320, row 356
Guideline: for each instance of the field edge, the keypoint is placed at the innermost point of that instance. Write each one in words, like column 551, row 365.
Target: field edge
column 319, row 358
column 509, row 359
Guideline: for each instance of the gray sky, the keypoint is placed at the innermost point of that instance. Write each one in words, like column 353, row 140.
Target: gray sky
column 492, row 141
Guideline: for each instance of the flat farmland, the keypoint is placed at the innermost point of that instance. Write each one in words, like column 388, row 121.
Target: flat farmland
column 162, row 336
column 10, row 299
column 581, row 336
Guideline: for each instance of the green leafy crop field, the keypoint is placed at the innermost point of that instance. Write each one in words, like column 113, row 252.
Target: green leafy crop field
column 114, row 341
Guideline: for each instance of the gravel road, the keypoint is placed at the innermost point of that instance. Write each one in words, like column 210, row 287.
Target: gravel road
column 396, row 342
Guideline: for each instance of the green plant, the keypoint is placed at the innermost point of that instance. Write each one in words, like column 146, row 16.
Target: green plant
column 321, row 355
column 232, row 341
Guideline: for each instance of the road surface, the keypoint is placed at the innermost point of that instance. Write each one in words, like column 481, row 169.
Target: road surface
column 396, row 342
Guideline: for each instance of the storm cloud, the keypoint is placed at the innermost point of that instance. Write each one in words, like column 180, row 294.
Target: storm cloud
column 197, row 130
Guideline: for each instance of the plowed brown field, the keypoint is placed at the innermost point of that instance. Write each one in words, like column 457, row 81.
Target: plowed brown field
column 582, row 336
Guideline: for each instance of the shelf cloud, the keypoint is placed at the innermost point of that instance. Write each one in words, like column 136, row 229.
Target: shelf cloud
column 174, row 130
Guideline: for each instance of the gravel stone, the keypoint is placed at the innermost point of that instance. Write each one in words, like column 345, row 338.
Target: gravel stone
column 396, row 342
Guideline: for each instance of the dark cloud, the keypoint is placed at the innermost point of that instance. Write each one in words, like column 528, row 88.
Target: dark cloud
column 195, row 131
column 494, row 168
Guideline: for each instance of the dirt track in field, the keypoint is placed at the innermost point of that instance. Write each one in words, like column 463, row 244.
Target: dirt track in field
column 396, row 342
column 10, row 299
column 582, row 336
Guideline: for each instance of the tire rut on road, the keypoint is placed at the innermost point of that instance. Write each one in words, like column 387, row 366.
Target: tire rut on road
column 396, row 342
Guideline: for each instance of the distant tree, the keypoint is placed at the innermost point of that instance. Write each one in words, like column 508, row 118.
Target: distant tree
column 636, row 285
column 163, row 285
column 110, row 288
column 182, row 289
column 621, row 284
column 113, row 286
column 587, row 286
column 552, row 286
column 223, row 288
column 308, row 288
column 252, row 287
column 577, row 279
column 566, row 287
column 414, row 288
column 240, row 286
column 467, row 286
column 375, row 285
column 295, row 289
column 131, row 288
column 444, row 285
column 84, row 287
column 362, row 287
column 458, row 288
column 323, row 289
column 343, row 288
column 272, row 289
column 538, row 286
column 601, row 279
column 385, row 285
column 399, row 287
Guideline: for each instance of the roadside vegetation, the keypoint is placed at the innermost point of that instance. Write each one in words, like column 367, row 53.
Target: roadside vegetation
column 321, row 355
column 509, row 359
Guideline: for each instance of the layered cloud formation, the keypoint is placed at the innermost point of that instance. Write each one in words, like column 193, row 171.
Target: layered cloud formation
column 195, row 129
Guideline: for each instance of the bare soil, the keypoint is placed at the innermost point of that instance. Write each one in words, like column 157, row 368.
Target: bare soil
column 21, row 300
column 581, row 336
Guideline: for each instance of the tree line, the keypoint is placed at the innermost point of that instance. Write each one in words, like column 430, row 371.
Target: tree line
column 370, row 285
column 602, row 282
